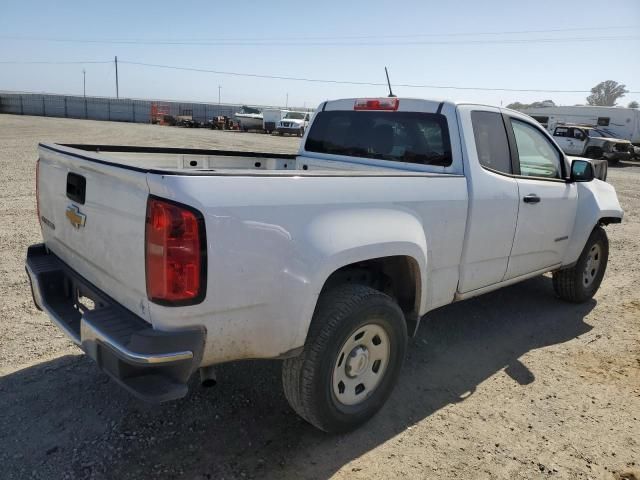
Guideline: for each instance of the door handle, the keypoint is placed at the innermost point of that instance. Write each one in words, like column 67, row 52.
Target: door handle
column 531, row 198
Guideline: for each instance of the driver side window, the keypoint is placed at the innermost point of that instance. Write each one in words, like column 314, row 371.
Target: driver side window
column 536, row 154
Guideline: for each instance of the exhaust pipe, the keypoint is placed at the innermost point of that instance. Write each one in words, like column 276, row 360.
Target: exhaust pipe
column 208, row 377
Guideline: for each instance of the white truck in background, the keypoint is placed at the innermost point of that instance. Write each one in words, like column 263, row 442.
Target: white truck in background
column 159, row 262
column 590, row 142
column 294, row 123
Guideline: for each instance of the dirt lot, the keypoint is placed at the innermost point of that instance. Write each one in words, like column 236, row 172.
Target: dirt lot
column 514, row 384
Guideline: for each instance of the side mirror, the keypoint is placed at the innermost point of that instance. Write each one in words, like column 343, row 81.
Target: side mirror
column 582, row 171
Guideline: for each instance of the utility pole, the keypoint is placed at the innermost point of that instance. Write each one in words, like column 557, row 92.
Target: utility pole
column 117, row 89
column 219, row 87
column 287, row 102
column 84, row 91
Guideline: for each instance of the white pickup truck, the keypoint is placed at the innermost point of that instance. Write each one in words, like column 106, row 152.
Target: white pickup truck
column 294, row 123
column 158, row 262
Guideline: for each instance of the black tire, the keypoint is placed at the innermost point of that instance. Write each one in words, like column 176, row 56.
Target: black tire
column 308, row 378
column 594, row 152
column 570, row 283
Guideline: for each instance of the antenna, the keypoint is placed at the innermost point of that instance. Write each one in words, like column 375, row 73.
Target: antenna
column 388, row 82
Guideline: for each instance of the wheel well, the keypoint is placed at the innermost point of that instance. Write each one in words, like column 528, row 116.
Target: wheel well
column 608, row 220
column 398, row 276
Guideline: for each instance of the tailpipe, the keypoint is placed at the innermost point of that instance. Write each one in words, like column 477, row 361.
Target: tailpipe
column 208, row 377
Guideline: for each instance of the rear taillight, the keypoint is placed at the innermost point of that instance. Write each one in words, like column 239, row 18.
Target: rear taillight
column 38, row 190
column 175, row 253
column 390, row 103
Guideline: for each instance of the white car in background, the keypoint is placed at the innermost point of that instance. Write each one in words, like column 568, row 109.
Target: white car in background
column 592, row 142
column 294, row 123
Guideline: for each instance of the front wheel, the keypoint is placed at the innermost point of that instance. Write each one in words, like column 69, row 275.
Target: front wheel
column 351, row 359
column 580, row 282
column 594, row 153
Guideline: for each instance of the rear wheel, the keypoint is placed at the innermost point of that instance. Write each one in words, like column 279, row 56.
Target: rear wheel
column 354, row 351
column 580, row 282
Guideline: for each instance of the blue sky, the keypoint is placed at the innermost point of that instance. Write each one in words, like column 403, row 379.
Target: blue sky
column 287, row 40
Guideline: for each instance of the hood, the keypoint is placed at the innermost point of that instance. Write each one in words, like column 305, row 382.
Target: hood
column 609, row 139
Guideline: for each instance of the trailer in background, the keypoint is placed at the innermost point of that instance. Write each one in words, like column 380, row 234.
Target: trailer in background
column 619, row 122
column 271, row 117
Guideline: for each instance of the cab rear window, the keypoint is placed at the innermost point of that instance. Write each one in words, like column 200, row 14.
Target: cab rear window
column 409, row 137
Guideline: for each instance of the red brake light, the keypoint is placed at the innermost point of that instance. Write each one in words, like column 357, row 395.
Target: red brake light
column 389, row 103
column 175, row 253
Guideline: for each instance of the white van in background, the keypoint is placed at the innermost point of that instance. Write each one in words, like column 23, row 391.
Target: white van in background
column 619, row 122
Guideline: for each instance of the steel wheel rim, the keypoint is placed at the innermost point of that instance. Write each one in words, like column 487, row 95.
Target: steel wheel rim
column 361, row 364
column 592, row 266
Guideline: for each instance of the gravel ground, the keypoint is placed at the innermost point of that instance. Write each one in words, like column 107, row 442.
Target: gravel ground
column 513, row 384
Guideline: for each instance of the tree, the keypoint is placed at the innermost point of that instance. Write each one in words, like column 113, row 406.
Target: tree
column 517, row 106
column 633, row 104
column 522, row 106
column 606, row 93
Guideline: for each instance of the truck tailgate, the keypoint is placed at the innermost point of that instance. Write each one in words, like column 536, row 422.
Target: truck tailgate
column 93, row 218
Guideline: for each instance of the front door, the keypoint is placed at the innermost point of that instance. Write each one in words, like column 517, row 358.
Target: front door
column 579, row 139
column 562, row 137
column 547, row 202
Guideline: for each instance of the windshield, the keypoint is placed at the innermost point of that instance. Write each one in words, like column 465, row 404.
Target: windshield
column 246, row 109
column 594, row 132
column 397, row 136
column 295, row 115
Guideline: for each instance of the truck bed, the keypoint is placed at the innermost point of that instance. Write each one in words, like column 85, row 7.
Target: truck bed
column 274, row 233
column 191, row 161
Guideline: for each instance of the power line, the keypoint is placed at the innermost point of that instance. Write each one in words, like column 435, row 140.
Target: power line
column 300, row 79
column 325, row 37
column 20, row 62
column 346, row 82
column 348, row 43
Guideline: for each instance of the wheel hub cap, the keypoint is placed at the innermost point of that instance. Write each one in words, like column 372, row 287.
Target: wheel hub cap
column 361, row 364
column 592, row 266
column 357, row 361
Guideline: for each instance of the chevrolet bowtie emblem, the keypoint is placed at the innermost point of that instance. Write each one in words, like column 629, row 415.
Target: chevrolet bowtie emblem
column 76, row 218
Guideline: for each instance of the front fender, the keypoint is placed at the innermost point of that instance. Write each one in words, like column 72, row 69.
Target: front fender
column 596, row 200
column 344, row 237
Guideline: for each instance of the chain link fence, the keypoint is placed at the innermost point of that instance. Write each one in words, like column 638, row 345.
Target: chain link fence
column 104, row 108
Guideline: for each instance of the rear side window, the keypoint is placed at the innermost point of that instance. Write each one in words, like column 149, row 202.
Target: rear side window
column 491, row 141
column 409, row 137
